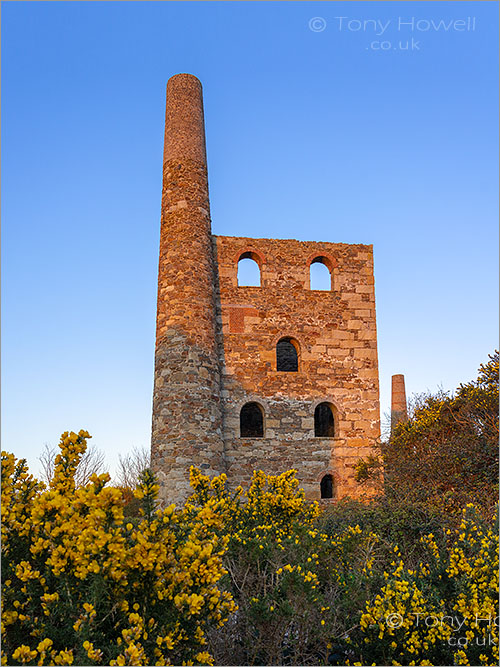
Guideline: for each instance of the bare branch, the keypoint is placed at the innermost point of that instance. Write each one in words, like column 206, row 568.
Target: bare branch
column 92, row 462
column 131, row 466
column 47, row 458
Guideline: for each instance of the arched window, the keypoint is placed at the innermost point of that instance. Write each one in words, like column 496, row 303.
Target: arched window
column 320, row 277
column 327, row 487
column 324, row 423
column 287, row 357
column 248, row 270
column 251, row 421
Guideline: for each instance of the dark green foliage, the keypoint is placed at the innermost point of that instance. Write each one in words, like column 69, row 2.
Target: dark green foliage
column 395, row 522
column 446, row 455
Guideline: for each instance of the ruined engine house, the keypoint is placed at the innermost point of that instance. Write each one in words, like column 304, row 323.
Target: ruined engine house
column 271, row 376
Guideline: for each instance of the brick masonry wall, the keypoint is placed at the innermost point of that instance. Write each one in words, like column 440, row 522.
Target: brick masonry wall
column 336, row 332
column 187, row 418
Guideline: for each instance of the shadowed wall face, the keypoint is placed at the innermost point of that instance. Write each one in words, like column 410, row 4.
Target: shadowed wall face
column 187, row 424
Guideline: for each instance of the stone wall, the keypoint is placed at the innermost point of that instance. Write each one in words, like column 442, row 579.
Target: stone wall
column 336, row 333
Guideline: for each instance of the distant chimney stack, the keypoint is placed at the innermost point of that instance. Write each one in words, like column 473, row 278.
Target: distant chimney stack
column 399, row 411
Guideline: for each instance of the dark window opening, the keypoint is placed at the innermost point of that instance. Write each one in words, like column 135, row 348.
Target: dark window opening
column 287, row 358
column 327, row 487
column 251, row 421
column 324, row 424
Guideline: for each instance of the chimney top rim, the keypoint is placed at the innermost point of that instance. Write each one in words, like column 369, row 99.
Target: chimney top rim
column 184, row 75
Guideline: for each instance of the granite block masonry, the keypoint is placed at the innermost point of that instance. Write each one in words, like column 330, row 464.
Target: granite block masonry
column 216, row 360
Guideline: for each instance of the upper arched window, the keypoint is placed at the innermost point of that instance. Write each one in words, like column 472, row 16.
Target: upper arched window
column 324, row 422
column 327, row 486
column 251, row 421
column 248, row 270
column 320, row 276
column 287, row 355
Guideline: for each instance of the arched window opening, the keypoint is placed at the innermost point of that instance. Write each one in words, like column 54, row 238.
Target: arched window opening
column 327, row 487
column 248, row 270
column 320, row 277
column 287, row 358
column 251, row 421
column 324, row 423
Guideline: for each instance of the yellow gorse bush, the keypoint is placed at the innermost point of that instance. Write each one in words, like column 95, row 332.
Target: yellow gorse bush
column 444, row 612
column 82, row 586
column 240, row 577
column 302, row 591
column 286, row 574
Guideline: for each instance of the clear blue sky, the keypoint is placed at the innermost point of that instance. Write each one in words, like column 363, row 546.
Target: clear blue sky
column 314, row 135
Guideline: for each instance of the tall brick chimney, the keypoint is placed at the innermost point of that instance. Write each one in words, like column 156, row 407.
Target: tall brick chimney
column 187, row 421
column 399, row 411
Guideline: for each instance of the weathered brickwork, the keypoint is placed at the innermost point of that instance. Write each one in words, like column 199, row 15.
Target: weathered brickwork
column 216, row 341
column 187, row 420
column 337, row 338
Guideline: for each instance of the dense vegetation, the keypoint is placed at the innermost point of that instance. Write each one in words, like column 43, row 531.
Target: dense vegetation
column 261, row 576
column 446, row 454
column 83, row 585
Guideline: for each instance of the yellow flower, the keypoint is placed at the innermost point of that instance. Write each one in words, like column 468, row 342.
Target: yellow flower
column 24, row 654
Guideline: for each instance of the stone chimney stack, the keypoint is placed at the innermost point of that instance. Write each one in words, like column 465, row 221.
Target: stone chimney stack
column 187, row 421
column 399, row 411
